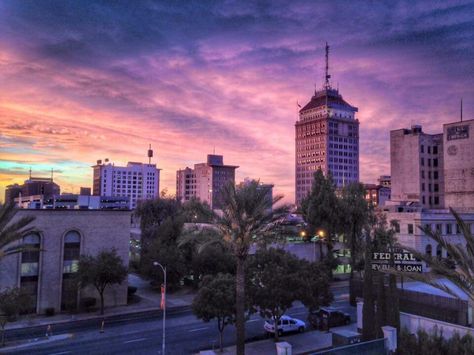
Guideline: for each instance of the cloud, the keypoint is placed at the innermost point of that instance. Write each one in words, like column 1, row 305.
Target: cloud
column 84, row 81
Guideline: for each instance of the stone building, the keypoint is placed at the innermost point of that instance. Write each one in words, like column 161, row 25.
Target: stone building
column 62, row 236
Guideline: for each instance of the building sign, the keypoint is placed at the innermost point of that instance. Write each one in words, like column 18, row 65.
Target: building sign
column 402, row 261
column 458, row 132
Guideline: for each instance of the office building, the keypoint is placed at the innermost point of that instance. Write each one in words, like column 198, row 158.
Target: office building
column 268, row 188
column 12, row 192
column 377, row 195
column 63, row 235
column 458, row 140
column 416, row 160
column 85, row 191
column 205, row 181
column 385, row 181
column 73, row 201
column 327, row 138
column 137, row 181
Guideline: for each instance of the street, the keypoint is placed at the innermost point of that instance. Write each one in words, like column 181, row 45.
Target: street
column 184, row 334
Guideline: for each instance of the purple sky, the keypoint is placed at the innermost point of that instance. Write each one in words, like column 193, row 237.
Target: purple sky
column 84, row 80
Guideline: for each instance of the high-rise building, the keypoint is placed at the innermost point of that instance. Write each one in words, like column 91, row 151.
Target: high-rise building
column 137, row 181
column 416, row 160
column 205, row 181
column 40, row 186
column 327, row 138
column 12, row 192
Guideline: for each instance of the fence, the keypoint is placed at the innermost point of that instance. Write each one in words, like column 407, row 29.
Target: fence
column 414, row 322
column 374, row 347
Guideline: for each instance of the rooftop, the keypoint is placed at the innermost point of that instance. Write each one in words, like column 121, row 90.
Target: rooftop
column 329, row 97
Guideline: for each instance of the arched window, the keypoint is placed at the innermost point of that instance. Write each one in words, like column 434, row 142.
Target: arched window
column 30, row 269
column 439, row 251
column 428, row 249
column 72, row 250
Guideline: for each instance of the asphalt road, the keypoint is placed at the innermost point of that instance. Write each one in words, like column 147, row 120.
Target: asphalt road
column 184, row 334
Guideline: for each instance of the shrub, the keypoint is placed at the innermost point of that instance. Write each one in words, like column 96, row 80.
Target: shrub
column 88, row 302
column 49, row 312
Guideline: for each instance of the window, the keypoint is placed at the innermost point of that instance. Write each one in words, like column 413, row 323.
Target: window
column 429, row 150
column 435, row 162
column 436, row 200
column 72, row 249
column 435, row 149
column 422, row 186
column 429, row 162
column 30, row 270
column 449, row 228
column 410, row 228
column 439, row 251
column 422, row 148
column 458, row 229
column 422, row 174
column 422, row 161
column 397, row 228
column 436, row 187
column 435, row 175
column 428, row 249
column 439, row 228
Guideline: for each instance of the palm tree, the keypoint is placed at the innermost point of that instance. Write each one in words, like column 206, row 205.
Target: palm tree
column 462, row 275
column 12, row 231
column 247, row 217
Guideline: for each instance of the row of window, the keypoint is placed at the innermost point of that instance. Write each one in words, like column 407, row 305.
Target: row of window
column 441, row 228
column 431, row 149
column 429, row 160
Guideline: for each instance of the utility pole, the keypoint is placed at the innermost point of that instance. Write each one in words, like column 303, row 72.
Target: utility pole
column 163, row 305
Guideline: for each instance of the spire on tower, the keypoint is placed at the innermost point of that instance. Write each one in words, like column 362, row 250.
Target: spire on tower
column 327, row 85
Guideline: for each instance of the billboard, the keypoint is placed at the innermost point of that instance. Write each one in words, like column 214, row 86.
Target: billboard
column 398, row 259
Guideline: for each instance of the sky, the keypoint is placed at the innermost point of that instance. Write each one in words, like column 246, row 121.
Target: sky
column 88, row 80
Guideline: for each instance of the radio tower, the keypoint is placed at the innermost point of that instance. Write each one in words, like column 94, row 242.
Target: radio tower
column 327, row 85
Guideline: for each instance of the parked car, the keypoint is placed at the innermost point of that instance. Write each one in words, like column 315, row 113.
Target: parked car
column 328, row 317
column 285, row 325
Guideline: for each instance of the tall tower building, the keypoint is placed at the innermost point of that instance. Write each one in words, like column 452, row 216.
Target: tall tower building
column 137, row 181
column 327, row 138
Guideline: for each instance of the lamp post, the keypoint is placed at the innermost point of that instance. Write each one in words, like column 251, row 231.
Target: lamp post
column 320, row 237
column 163, row 303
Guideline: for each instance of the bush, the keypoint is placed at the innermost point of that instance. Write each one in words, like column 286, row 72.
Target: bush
column 49, row 312
column 88, row 302
column 131, row 291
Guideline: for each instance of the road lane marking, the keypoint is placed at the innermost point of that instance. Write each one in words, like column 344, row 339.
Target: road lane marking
column 253, row 320
column 134, row 340
column 197, row 329
column 64, row 352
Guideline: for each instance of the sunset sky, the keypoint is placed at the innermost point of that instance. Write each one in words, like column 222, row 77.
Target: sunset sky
column 88, row 80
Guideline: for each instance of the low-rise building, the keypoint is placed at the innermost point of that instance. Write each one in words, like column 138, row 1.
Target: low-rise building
column 73, row 201
column 63, row 235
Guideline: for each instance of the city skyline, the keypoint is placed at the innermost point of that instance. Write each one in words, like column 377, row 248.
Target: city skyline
column 86, row 82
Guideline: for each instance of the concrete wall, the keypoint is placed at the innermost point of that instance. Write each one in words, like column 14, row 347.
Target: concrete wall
column 98, row 229
column 413, row 323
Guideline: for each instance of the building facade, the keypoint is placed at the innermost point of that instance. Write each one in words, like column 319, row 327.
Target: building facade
column 326, row 138
column 72, row 201
column 63, row 235
column 137, row 181
column 205, row 181
column 12, row 192
column 416, row 160
column 458, row 140
column 33, row 186
column 377, row 195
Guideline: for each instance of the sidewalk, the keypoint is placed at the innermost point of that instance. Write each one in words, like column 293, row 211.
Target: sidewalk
column 149, row 301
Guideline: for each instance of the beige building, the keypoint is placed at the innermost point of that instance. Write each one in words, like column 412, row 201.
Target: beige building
column 458, row 138
column 416, row 160
column 64, row 235
column 205, row 181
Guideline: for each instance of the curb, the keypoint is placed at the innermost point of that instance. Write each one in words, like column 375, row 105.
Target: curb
column 36, row 341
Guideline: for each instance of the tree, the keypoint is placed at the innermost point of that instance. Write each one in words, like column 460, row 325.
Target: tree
column 216, row 300
column 101, row 271
column 321, row 209
column 12, row 302
column 11, row 232
column 279, row 278
column 354, row 213
column 246, row 217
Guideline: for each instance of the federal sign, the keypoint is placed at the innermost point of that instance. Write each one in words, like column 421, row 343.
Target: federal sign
column 403, row 261
column 458, row 132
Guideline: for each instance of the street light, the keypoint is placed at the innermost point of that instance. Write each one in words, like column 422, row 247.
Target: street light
column 163, row 303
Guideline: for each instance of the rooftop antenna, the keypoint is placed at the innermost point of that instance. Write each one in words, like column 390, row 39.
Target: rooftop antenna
column 150, row 154
column 214, row 151
column 327, row 76
column 461, row 109
column 52, row 172
column 30, row 172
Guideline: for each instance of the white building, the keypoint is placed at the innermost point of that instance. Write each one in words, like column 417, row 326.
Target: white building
column 137, row 181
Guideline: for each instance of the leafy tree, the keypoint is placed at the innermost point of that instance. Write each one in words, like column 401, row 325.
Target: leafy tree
column 212, row 260
column 153, row 213
column 12, row 302
column 216, row 300
column 279, row 278
column 321, row 209
column 354, row 214
column 368, row 311
column 11, row 232
column 100, row 271
column 246, row 217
